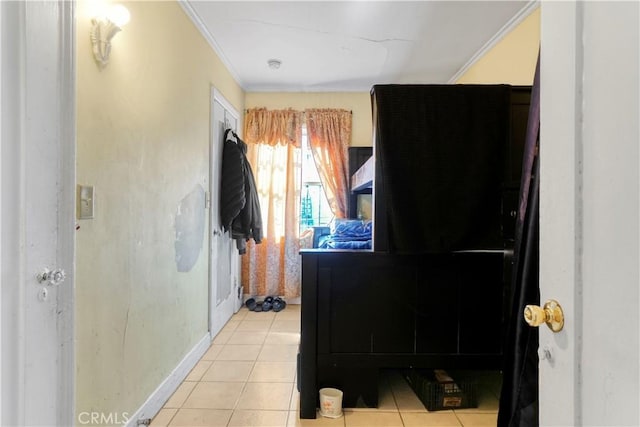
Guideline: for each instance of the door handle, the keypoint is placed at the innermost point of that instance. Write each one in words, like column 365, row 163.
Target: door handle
column 551, row 314
column 51, row 277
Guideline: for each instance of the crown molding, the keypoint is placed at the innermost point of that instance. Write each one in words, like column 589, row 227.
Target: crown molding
column 199, row 23
column 493, row 41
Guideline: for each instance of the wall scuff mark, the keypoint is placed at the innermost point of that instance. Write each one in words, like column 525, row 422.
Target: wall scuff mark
column 189, row 224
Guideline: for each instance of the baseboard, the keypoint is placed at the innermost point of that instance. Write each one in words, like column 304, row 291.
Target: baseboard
column 157, row 399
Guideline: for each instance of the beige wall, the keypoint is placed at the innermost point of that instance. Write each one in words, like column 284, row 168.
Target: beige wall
column 143, row 141
column 357, row 102
column 512, row 60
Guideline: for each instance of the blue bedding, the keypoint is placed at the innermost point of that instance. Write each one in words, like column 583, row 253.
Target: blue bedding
column 348, row 234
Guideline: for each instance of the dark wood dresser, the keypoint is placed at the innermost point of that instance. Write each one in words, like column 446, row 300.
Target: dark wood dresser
column 435, row 291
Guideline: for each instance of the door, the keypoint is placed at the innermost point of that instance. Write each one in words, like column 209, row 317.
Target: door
column 589, row 372
column 37, row 221
column 224, row 275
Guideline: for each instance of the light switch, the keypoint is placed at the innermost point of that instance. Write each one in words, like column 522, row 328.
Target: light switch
column 86, row 201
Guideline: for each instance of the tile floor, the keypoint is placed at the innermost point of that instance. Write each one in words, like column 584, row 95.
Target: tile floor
column 247, row 378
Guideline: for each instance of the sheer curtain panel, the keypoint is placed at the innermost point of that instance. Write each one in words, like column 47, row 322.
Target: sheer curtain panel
column 273, row 138
column 329, row 132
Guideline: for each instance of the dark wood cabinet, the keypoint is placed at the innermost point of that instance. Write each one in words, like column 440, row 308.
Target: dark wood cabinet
column 364, row 311
column 437, row 306
column 357, row 157
column 435, row 290
column 520, row 100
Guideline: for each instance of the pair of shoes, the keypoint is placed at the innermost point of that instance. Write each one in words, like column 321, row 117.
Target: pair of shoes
column 278, row 304
column 265, row 305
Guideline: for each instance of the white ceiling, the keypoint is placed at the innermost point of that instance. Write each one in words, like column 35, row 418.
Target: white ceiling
column 351, row 45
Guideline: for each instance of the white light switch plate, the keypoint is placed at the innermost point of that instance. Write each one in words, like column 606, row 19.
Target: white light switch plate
column 86, row 202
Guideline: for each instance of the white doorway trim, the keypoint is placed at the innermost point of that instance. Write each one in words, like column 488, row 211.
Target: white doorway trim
column 221, row 311
column 37, row 61
column 67, row 212
column 218, row 96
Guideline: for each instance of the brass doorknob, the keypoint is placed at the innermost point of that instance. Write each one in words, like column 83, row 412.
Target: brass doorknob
column 551, row 314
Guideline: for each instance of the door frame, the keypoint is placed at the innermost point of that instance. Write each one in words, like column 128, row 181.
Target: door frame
column 54, row 58
column 560, row 204
column 217, row 96
column 67, row 211
column 589, row 212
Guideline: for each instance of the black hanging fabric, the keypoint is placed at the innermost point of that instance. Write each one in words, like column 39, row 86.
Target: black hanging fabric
column 239, row 203
column 232, row 187
column 440, row 154
column 519, row 396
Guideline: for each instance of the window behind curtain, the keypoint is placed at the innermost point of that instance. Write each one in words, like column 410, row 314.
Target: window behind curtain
column 314, row 207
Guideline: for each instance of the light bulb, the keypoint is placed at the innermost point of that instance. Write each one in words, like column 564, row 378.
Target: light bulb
column 119, row 15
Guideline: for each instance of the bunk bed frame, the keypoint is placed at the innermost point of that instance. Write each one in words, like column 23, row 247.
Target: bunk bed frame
column 362, row 179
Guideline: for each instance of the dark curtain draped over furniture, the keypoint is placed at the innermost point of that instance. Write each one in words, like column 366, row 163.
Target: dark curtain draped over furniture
column 446, row 176
column 440, row 148
column 519, row 397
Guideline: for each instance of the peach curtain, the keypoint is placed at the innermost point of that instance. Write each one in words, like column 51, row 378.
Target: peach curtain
column 273, row 138
column 273, row 127
column 329, row 133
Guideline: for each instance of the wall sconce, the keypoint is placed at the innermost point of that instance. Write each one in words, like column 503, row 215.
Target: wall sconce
column 103, row 28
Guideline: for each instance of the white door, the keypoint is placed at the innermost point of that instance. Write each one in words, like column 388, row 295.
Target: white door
column 38, row 215
column 224, row 283
column 589, row 257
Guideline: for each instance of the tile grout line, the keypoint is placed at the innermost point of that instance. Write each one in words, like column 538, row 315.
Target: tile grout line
column 244, row 385
column 172, row 416
column 288, row 412
column 255, row 361
column 191, row 391
column 395, row 400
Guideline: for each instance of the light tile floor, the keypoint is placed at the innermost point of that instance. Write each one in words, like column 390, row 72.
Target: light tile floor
column 247, row 379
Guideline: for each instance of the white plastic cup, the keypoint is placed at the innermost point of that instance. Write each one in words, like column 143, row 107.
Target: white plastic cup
column 330, row 402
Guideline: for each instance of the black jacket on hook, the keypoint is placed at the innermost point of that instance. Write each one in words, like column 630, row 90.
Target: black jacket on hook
column 239, row 203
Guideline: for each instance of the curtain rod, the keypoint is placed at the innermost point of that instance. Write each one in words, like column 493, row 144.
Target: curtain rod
column 302, row 112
